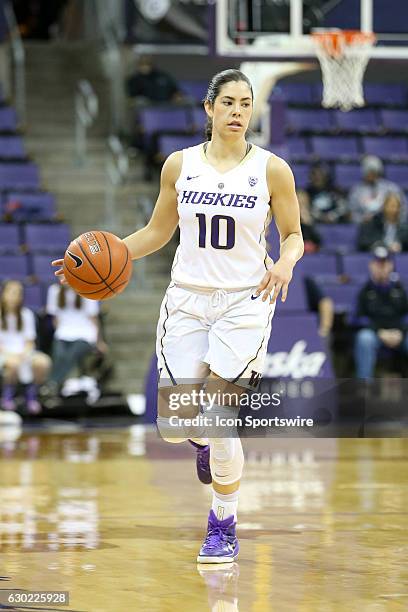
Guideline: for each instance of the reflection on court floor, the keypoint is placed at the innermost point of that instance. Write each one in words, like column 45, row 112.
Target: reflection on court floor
column 116, row 518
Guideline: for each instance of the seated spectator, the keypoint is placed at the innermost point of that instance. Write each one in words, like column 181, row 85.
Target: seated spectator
column 367, row 197
column 149, row 84
column 326, row 202
column 311, row 236
column 76, row 330
column 320, row 303
column 19, row 360
column 385, row 228
column 382, row 306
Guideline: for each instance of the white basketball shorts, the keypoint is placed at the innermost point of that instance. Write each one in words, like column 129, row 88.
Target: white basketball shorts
column 202, row 330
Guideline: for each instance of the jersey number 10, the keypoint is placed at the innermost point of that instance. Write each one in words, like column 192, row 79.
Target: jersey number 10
column 215, row 231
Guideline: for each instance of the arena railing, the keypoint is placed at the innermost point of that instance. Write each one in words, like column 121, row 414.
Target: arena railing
column 18, row 54
column 86, row 111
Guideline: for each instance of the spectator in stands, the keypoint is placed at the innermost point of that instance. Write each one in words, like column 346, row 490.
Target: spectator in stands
column 149, row 84
column 382, row 306
column 19, row 360
column 385, row 228
column 328, row 205
column 311, row 236
column 367, row 197
column 320, row 303
column 76, row 330
column 317, row 300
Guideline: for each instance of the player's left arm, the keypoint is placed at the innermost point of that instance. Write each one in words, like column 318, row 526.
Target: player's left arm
column 285, row 208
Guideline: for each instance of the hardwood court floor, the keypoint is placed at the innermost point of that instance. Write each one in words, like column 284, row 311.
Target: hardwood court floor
column 116, row 517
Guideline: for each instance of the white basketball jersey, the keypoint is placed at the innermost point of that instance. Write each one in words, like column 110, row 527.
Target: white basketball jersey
column 223, row 218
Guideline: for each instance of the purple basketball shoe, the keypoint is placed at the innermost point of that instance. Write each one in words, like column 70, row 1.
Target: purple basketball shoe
column 221, row 543
column 203, row 462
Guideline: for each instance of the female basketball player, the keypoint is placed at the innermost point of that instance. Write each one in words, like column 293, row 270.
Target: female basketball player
column 216, row 315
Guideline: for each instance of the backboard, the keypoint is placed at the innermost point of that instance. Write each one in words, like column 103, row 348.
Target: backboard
column 279, row 29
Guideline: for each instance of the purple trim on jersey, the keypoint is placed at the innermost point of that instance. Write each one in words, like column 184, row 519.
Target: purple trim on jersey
column 260, row 238
column 260, row 346
column 173, row 380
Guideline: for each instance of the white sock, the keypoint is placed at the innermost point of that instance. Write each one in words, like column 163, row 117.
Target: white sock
column 224, row 506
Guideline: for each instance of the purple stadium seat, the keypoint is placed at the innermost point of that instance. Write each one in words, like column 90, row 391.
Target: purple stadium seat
column 397, row 174
column 8, row 119
column 9, row 238
column 169, row 144
column 42, row 269
column 310, row 120
column 385, row 94
column 19, row 176
column 297, row 148
column 199, row 119
column 29, row 206
column 317, row 93
column 356, row 264
column 164, row 120
column 401, row 264
column 301, row 172
column 13, row 267
column 335, row 147
column 296, row 299
column 386, row 147
column 12, row 147
column 322, row 264
column 345, row 175
column 338, row 236
column 195, row 89
column 344, row 296
column 358, row 121
column 395, row 120
column 281, row 150
column 33, row 297
column 46, row 237
column 297, row 93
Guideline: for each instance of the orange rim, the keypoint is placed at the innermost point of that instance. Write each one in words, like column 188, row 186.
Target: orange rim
column 334, row 43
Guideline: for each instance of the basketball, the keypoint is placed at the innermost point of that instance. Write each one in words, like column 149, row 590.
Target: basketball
column 97, row 265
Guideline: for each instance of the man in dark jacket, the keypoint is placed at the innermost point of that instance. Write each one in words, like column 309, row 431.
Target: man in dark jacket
column 385, row 228
column 382, row 307
column 151, row 84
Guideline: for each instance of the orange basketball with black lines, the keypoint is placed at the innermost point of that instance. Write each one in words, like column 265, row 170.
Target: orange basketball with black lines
column 97, row 265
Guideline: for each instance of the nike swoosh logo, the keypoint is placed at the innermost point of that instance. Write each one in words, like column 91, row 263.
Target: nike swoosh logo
column 255, row 297
column 189, row 178
column 78, row 260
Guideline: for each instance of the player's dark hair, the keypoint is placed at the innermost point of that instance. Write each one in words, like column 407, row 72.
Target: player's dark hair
column 62, row 299
column 214, row 88
column 3, row 310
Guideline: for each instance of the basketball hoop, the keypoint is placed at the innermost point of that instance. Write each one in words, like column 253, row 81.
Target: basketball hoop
column 343, row 57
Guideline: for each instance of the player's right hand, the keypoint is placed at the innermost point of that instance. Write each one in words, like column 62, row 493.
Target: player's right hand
column 59, row 273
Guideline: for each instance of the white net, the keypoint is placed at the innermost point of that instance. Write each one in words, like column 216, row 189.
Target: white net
column 343, row 58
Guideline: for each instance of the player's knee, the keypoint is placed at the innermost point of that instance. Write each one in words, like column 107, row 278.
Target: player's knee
column 170, row 432
column 226, row 460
